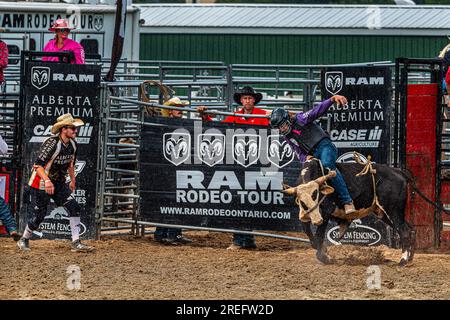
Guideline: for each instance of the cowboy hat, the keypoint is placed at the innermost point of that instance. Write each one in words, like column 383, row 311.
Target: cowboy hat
column 247, row 91
column 60, row 24
column 174, row 102
column 66, row 120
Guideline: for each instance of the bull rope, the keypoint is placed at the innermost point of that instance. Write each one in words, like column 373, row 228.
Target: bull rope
column 368, row 168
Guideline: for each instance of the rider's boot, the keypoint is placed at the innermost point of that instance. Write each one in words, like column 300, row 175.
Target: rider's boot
column 349, row 208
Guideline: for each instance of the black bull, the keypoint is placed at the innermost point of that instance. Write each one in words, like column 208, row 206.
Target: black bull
column 392, row 192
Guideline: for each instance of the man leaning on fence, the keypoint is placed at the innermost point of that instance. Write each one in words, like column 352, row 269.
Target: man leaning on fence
column 172, row 236
column 56, row 158
column 247, row 98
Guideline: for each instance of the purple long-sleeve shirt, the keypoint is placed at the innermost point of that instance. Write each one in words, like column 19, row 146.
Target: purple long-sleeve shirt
column 304, row 118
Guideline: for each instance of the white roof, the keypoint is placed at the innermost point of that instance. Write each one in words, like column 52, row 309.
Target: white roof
column 295, row 19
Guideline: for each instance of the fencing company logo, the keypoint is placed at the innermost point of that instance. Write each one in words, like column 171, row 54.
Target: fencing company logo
column 40, row 77
column 279, row 153
column 57, row 223
column 334, row 81
column 211, row 148
column 177, row 147
column 357, row 234
column 246, row 149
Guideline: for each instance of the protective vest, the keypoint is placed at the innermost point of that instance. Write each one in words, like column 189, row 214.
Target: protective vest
column 306, row 137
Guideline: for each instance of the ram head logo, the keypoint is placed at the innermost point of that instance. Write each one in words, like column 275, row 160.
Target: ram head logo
column 40, row 77
column 98, row 22
column 246, row 149
column 334, row 81
column 279, row 153
column 211, row 148
column 177, row 147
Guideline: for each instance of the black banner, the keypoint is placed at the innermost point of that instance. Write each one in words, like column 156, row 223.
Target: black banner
column 217, row 175
column 51, row 90
column 363, row 126
column 226, row 176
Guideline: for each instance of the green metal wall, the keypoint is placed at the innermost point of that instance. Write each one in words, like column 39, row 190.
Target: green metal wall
column 285, row 49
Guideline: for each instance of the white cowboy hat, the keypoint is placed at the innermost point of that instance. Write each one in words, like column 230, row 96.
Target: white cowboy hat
column 60, row 24
column 176, row 102
column 66, row 120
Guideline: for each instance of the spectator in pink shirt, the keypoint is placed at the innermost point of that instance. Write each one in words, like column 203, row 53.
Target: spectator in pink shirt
column 61, row 42
column 3, row 60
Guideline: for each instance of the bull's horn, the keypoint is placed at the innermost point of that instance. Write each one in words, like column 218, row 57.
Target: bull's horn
column 290, row 191
column 286, row 186
column 321, row 180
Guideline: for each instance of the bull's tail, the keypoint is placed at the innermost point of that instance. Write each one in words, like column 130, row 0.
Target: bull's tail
column 412, row 182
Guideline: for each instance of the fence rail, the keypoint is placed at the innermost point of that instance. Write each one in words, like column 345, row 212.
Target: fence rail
column 210, row 83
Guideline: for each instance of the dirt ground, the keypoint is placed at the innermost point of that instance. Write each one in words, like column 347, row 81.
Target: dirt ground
column 138, row 268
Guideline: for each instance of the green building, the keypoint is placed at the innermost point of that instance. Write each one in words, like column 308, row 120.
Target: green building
column 291, row 34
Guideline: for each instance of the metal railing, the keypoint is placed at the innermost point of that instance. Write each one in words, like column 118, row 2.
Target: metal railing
column 209, row 83
column 119, row 113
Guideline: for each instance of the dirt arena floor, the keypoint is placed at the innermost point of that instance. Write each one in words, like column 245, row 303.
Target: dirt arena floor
column 138, row 268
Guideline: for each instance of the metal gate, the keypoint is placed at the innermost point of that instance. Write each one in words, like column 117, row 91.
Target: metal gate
column 421, row 144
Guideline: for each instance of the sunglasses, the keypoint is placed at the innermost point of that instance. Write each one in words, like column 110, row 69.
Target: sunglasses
column 73, row 128
column 62, row 30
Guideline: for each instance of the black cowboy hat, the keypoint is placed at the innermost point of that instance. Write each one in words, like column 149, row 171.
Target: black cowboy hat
column 247, row 91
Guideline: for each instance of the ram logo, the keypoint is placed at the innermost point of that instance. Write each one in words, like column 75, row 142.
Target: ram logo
column 279, row 153
column 246, row 149
column 98, row 22
column 211, row 148
column 177, row 147
column 40, row 77
column 334, row 81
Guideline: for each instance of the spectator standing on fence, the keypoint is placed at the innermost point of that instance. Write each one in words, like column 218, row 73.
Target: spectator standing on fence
column 172, row 236
column 3, row 63
column 5, row 214
column 247, row 98
column 62, row 43
column 56, row 158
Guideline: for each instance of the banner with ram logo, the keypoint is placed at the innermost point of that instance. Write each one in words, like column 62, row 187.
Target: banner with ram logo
column 217, row 175
column 49, row 91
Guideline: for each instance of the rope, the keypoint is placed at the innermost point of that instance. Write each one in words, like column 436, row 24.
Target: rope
column 314, row 207
column 324, row 196
column 424, row 197
column 164, row 90
column 368, row 168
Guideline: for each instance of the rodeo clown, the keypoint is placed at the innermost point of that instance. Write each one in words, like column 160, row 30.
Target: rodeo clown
column 309, row 140
column 56, row 158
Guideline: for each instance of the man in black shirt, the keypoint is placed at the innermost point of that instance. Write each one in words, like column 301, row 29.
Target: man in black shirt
column 55, row 159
